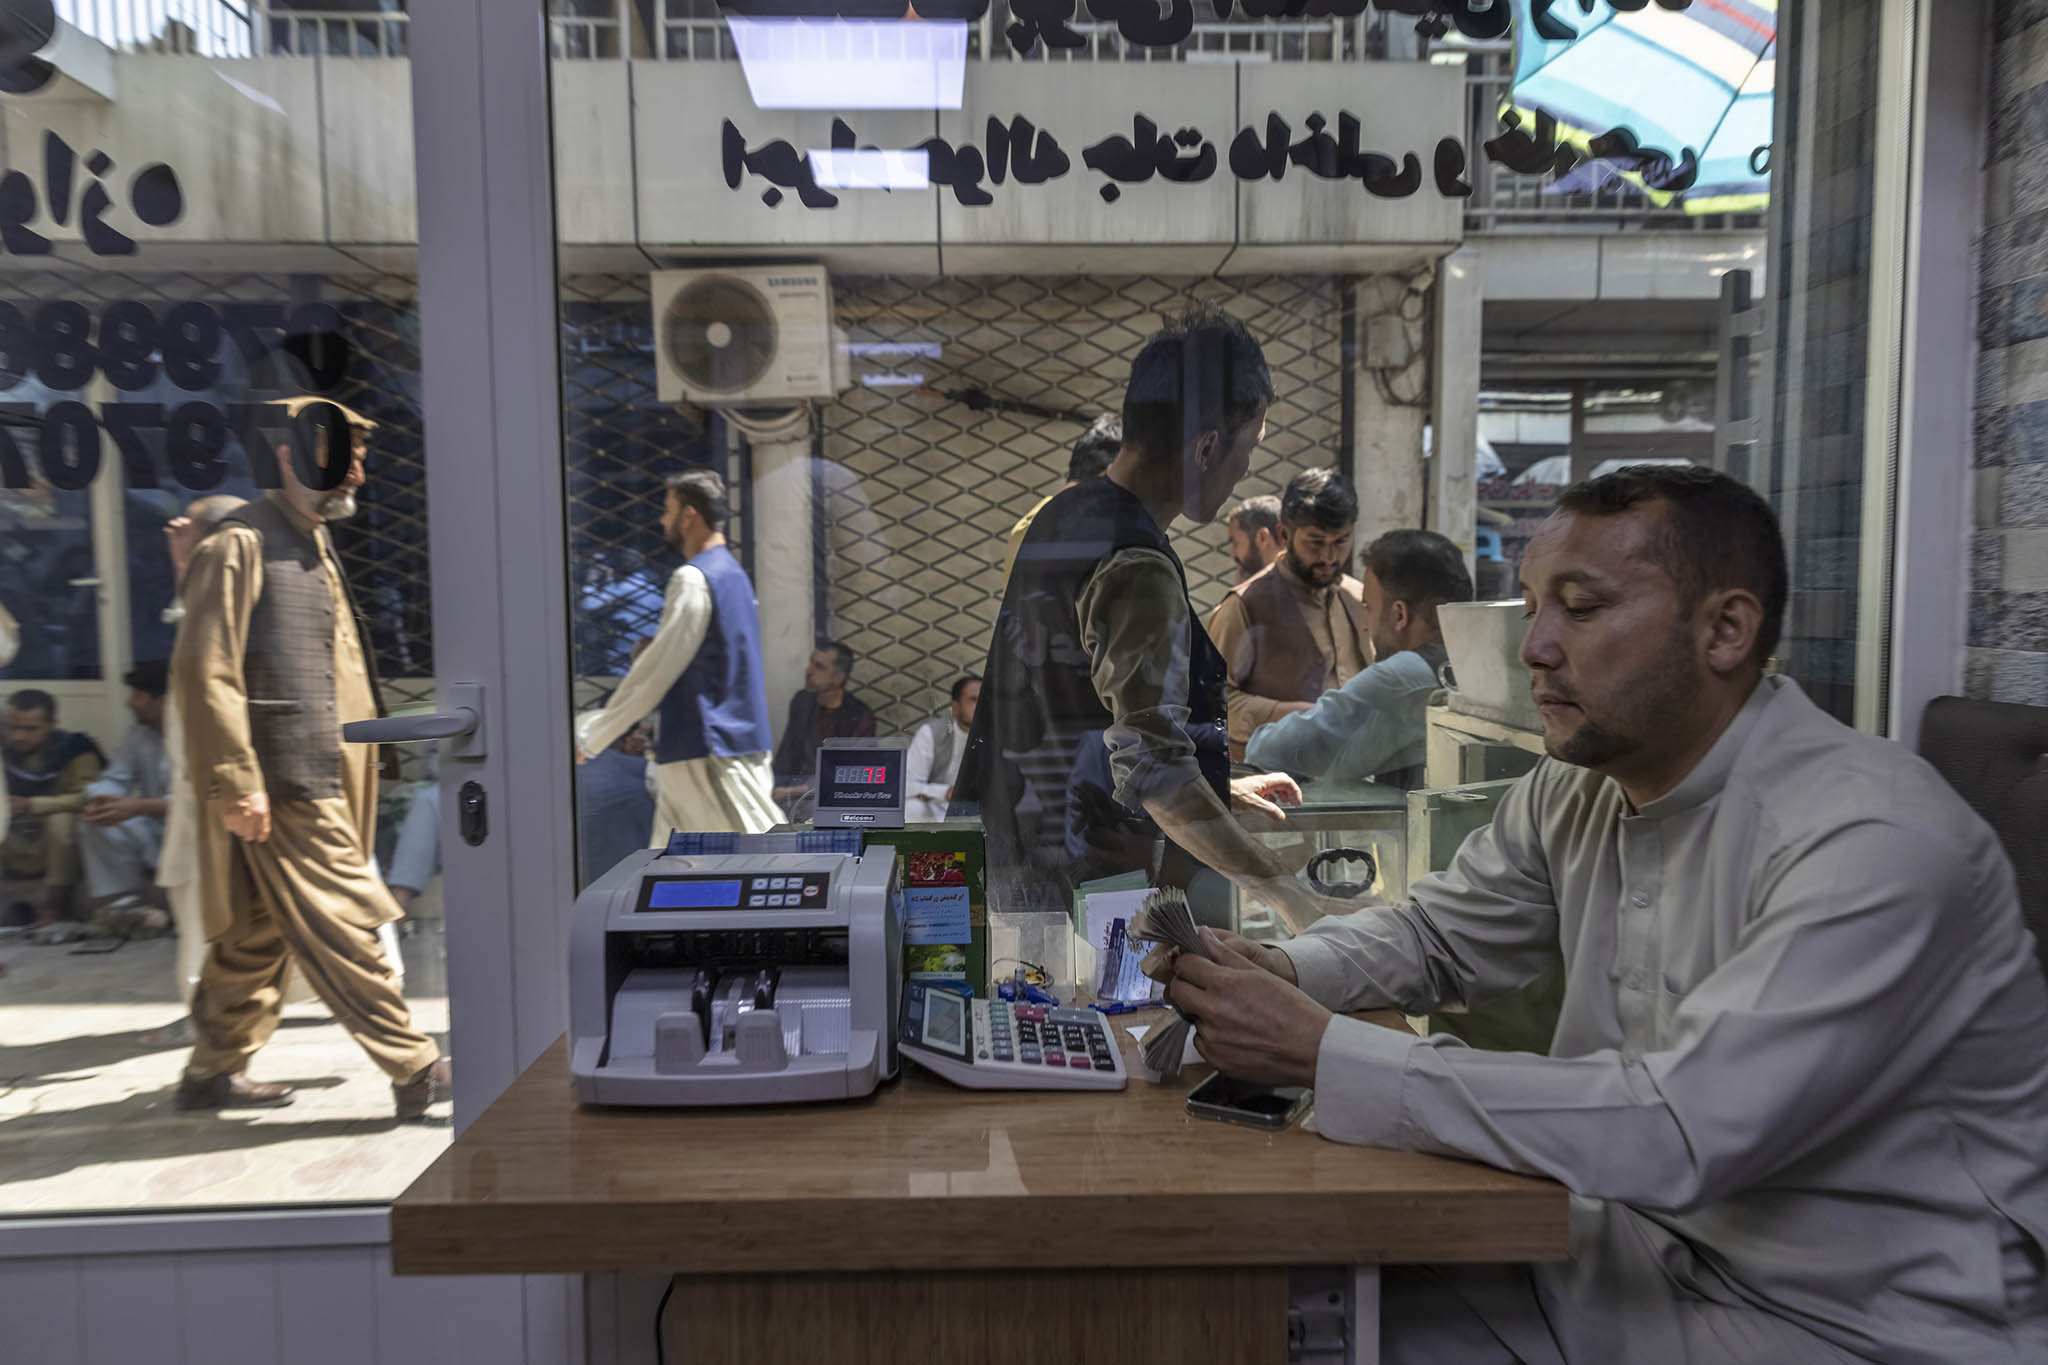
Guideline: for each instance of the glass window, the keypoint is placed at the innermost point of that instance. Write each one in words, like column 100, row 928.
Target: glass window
column 213, row 544
column 877, row 278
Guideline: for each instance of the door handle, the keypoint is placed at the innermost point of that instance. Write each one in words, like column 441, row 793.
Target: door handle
column 462, row 722
column 411, row 729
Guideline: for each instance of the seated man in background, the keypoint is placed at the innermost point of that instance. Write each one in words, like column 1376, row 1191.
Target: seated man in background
column 614, row 806
column 1376, row 724
column 47, row 773
column 1296, row 630
column 1800, row 1077
column 934, row 759
column 823, row 710
column 416, row 852
column 1253, row 528
column 122, row 837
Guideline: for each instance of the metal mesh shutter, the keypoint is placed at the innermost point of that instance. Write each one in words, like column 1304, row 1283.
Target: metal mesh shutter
column 916, row 574
column 619, row 443
column 920, row 492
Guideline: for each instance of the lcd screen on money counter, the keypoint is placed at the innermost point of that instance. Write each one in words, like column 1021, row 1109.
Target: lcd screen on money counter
column 860, row 777
column 693, row 895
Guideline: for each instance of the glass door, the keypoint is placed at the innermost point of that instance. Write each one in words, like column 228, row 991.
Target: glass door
column 209, row 313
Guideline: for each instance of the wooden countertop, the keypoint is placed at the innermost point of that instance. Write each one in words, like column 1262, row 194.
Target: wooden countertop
column 925, row 1176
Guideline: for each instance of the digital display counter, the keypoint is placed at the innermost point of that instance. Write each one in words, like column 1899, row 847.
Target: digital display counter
column 861, row 784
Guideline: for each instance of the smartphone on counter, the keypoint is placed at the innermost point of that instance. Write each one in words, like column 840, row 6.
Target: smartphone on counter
column 1230, row 1100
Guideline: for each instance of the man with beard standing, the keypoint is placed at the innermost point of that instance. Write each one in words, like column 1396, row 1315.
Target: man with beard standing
column 1297, row 629
column 702, row 677
column 268, row 667
column 1253, row 530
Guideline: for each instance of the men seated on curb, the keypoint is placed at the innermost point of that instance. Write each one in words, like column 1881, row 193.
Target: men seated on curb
column 47, row 773
column 121, row 836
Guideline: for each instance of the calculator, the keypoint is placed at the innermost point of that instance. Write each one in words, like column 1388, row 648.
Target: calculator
column 998, row 1045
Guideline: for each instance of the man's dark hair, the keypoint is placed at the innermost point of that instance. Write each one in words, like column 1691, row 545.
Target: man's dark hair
column 1321, row 498
column 961, row 685
column 149, row 675
column 1096, row 448
column 1717, row 532
column 844, row 655
column 1258, row 514
column 1420, row 568
column 1204, row 367
column 34, row 699
column 703, row 490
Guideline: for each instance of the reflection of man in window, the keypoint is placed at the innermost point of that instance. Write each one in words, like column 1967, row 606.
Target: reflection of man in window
column 269, row 665
column 47, row 773
column 1088, row 459
column 1096, row 636
column 1295, row 630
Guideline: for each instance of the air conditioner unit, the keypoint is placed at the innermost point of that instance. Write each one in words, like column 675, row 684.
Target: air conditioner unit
column 745, row 337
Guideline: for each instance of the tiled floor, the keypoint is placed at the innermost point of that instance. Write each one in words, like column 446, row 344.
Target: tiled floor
column 85, row 1107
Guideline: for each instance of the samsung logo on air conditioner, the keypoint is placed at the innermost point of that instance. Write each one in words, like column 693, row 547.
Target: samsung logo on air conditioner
column 792, row 281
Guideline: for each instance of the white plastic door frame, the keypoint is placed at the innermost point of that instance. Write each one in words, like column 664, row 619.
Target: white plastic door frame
column 492, row 416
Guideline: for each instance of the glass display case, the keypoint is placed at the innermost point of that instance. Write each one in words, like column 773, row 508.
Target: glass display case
column 1366, row 817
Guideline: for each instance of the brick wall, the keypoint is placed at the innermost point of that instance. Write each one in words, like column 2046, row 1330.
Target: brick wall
column 2007, row 658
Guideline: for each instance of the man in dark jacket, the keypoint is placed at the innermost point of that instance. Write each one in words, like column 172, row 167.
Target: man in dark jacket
column 823, row 710
column 1097, row 648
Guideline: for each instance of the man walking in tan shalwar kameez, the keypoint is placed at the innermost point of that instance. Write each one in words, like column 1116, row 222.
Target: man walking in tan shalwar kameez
column 268, row 667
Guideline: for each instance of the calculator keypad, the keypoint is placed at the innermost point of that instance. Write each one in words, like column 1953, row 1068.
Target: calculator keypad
column 1042, row 1037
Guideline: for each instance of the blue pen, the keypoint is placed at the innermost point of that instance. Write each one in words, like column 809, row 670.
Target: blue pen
column 1127, row 1007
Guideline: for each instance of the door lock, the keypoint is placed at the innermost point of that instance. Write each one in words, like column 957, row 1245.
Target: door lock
column 471, row 814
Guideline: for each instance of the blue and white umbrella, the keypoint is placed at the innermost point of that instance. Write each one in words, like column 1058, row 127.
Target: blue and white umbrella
column 1701, row 79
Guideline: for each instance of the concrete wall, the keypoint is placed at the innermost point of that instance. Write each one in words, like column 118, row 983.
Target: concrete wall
column 268, row 152
column 281, row 152
column 2007, row 658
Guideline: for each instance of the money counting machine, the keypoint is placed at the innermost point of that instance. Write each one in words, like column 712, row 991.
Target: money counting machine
column 755, row 977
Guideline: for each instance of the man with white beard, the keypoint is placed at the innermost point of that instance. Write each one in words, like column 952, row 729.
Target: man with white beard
column 268, row 667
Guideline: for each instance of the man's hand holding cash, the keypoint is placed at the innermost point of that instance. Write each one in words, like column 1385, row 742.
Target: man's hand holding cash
column 1254, row 1023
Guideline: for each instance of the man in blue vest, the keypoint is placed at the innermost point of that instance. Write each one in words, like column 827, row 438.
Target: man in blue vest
column 701, row 676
